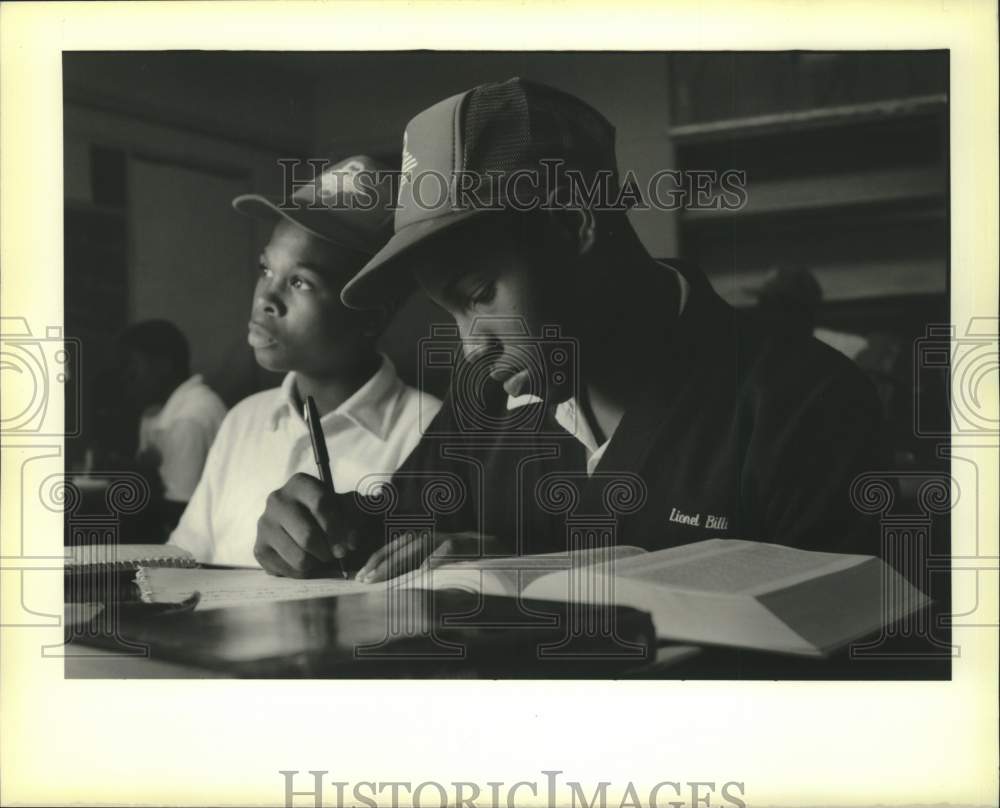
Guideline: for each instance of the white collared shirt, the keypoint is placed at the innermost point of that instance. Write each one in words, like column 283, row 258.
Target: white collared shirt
column 180, row 433
column 574, row 422
column 264, row 441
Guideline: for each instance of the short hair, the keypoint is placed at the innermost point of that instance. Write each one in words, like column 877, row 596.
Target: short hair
column 159, row 339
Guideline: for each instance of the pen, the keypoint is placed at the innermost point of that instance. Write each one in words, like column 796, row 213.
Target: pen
column 311, row 414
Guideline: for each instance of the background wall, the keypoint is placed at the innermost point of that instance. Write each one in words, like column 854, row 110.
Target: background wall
column 155, row 147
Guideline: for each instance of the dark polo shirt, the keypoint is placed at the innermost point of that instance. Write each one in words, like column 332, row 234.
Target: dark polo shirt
column 738, row 432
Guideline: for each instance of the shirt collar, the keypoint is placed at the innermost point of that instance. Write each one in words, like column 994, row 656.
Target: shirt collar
column 369, row 406
column 569, row 417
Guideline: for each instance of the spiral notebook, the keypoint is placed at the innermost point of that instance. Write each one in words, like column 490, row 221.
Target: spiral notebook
column 126, row 557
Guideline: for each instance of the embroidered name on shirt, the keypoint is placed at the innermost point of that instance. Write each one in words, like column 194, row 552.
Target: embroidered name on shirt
column 685, row 518
column 694, row 520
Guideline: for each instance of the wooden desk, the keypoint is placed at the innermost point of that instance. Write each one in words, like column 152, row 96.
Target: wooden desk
column 422, row 634
column 386, row 634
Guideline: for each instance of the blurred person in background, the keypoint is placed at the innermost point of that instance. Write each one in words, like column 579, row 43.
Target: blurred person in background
column 179, row 415
column 789, row 300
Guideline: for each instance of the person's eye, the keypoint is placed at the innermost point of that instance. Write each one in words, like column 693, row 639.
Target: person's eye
column 300, row 283
column 264, row 270
column 484, row 294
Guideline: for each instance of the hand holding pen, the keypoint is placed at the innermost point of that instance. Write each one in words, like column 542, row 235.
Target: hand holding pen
column 306, row 526
column 322, row 457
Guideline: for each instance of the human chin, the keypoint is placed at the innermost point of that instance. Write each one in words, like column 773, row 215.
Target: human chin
column 271, row 357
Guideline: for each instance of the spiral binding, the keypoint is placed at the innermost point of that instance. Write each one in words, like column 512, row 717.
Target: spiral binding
column 102, row 557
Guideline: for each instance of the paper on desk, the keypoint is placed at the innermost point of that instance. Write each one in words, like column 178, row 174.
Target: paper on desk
column 233, row 587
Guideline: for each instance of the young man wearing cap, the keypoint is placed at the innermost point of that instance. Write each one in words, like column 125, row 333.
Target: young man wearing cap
column 714, row 427
column 298, row 325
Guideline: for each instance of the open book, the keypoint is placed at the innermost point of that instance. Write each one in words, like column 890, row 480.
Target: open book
column 747, row 594
column 720, row 591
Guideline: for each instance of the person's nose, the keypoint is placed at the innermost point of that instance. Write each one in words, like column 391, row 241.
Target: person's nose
column 472, row 347
column 480, row 347
column 267, row 298
column 486, row 336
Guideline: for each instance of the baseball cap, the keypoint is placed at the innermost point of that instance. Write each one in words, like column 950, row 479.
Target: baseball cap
column 487, row 134
column 348, row 203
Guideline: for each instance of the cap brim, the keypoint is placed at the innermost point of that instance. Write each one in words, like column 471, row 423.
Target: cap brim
column 385, row 275
column 317, row 222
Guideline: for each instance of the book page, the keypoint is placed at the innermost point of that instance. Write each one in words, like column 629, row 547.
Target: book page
column 511, row 574
column 731, row 566
column 734, row 592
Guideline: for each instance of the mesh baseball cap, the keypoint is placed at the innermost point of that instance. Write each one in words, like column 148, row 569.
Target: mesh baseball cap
column 477, row 140
column 348, row 203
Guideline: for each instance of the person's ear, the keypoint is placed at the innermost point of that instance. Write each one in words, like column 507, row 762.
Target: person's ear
column 586, row 230
column 576, row 227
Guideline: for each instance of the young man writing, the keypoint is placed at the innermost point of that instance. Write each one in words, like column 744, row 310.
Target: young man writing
column 299, row 326
column 721, row 429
